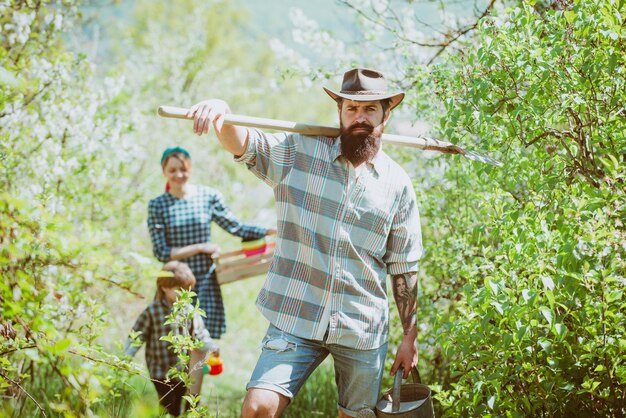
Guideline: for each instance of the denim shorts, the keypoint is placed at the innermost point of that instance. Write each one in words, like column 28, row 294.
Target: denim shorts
column 287, row 361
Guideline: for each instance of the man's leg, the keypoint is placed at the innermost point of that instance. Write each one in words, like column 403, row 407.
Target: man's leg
column 284, row 365
column 357, row 374
column 263, row 403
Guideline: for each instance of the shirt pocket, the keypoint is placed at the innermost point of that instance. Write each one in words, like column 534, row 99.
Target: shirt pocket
column 369, row 228
column 368, row 219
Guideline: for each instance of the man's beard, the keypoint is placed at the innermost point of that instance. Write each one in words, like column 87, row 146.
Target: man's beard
column 362, row 146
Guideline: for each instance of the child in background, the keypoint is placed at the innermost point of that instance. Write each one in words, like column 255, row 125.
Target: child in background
column 151, row 327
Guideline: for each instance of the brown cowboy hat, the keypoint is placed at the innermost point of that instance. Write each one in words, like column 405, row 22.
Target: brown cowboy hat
column 364, row 85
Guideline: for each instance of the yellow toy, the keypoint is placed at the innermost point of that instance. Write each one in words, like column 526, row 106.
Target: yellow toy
column 214, row 365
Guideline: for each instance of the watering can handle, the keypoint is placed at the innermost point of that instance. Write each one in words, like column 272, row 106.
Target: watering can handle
column 395, row 394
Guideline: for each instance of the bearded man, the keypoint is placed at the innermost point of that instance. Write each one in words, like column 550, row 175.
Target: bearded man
column 347, row 218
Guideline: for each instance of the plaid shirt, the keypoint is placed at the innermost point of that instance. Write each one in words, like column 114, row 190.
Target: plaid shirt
column 175, row 222
column 151, row 327
column 339, row 235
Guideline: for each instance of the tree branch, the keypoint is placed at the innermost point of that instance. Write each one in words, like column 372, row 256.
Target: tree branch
column 462, row 32
column 8, row 379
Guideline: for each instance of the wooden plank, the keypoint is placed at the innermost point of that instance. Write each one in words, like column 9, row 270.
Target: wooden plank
column 242, row 273
column 234, row 263
column 237, row 267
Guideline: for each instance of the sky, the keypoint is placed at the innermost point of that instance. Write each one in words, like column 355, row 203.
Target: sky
column 271, row 18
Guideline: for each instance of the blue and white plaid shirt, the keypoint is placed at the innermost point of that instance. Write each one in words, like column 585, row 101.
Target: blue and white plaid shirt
column 339, row 234
column 175, row 222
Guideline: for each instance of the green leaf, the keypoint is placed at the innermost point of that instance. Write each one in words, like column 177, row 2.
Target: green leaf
column 545, row 345
column 547, row 282
column 561, row 330
column 498, row 307
column 521, row 332
column 615, row 295
column 547, row 313
column 491, row 285
column 61, row 346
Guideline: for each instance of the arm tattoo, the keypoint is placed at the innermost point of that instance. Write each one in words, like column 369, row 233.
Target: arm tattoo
column 405, row 293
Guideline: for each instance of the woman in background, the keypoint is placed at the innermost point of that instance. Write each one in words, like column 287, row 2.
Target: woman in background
column 180, row 229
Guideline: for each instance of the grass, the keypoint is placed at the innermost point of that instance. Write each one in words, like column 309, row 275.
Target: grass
column 318, row 396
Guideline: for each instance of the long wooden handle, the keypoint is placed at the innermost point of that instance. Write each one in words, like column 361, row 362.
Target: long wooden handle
column 253, row 122
column 319, row 130
column 315, row 130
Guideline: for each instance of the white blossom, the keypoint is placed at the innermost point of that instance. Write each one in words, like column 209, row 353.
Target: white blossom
column 17, row 31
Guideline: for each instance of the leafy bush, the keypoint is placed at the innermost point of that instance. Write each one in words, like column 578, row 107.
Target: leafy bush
column 524, row 279
column 63, row 166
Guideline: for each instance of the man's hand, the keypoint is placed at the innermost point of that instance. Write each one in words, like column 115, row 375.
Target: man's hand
column 206, row 113
column 406, row 356
column 211, row 112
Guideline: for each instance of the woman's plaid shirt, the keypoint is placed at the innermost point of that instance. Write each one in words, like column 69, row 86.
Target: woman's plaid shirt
column 175, row 222
column 339, row 236
column 150, row 327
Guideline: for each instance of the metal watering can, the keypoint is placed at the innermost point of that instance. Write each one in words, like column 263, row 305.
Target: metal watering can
column 409, row 400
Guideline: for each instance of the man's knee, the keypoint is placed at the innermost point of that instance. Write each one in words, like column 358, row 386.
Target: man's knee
column 257, row 410
column 261, row 403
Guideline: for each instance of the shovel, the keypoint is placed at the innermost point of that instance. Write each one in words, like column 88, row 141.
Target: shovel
column 328, row 131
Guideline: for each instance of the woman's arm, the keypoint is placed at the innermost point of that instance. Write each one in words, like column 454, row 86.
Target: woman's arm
column 182, row 253
column 156, row 226
column 225, row 218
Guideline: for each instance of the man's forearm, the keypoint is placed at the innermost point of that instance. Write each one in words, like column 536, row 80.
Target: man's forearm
column 233, row 138
column 404, row 288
